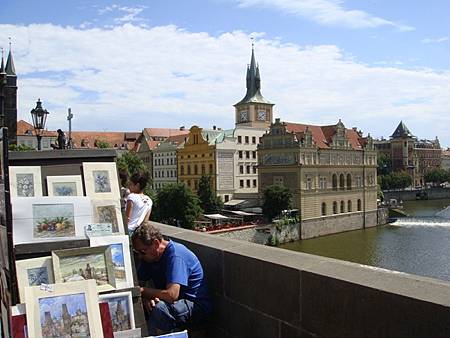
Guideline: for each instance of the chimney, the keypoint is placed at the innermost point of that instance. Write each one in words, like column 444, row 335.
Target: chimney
column 355, row 129
column 214, row 127
column 182, row 128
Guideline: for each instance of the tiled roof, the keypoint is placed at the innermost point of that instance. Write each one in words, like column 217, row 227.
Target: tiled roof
column 164, row 132
column 323, row 135
column 177, row 139
column 24, row 128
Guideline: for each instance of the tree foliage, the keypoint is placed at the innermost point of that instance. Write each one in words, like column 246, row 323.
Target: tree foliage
column 437, row 176
column 395, row 180
column 276, row 199
column 177, row 204
column 130, row 163
column 208, row 200
column 102, row 144
column 20, row 147
column 384, row 164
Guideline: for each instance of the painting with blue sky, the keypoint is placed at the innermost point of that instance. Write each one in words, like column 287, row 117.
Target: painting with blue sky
column 75, row 303
column 129, row 64
column 118, row 262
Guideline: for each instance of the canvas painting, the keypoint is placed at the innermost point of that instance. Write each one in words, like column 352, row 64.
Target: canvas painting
column 121, row 310
column 108, row 211
column 68, row 185
column 66, row 311
column 25, row 181
column 84, row 264
column 34, row 271
column 101, row 180
column 43, row 219
column 53, row 220
column 120, row 255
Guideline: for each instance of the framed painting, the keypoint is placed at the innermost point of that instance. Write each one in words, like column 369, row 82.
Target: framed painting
column 108, row 211
column 100, row 179
column 33, row 272
column 63, row 310
column 121, row 310
column 120, row 254
column 69, row 185
column 83, row 264
column 45, row 219
column 25, row 181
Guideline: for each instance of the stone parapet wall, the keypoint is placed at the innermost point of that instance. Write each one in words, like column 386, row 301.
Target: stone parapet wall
column 267, row 292
column 411, row 195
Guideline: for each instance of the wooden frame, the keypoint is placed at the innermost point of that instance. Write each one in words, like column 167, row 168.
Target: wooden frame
column 124, row 320
column 68, row 185
column 48, row 219
column 100, row 179
column 25, row 181
column 39, row 270
column 120, row 253
column 108, row 211
column 85, row 263
column 63, row 303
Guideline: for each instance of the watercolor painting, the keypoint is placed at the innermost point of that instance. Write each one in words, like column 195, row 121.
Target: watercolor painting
column 83, row 267
column 119, row 308
column 118, row 262
column 64, row 316
column 101, row 181
column 53, row 220
column 107, row 214
column 25, row 185
column 64, row 189
column 38, row 276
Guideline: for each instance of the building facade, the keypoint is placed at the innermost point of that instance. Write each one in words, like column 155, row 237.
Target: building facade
column 8, row 97
column 330, row 170
column 409, row 154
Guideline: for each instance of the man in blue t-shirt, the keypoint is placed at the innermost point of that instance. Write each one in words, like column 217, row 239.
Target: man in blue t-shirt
column 180, row 296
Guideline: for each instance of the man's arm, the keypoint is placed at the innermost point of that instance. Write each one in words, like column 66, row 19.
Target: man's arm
column 169, row 295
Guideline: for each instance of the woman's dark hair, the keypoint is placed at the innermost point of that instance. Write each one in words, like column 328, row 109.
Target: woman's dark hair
column 141, row 178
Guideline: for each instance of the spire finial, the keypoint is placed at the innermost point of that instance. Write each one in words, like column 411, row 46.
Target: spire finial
column 9, row 38
column 253, row 42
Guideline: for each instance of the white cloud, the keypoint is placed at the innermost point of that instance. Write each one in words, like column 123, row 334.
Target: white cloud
column 131, row 77
column 131, row 13
column 434, row 40
column 326, row 12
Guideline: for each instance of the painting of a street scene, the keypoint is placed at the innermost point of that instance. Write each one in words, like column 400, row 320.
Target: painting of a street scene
column 107, row 214
column 118, row 262
column 101, row 181
column 119, row 308
column 64, row 189
column 53, row 220
column 64, row 316
column 38, row 276
column 83, row 267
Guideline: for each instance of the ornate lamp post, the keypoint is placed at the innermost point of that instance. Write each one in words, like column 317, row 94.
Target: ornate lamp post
column 39, row 116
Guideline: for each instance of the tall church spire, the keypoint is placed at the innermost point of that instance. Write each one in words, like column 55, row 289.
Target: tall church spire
column 10, row 69
column 253, row 81
column 2, row 65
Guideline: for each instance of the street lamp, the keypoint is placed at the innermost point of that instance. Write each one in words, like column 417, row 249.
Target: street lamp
column 39, row 116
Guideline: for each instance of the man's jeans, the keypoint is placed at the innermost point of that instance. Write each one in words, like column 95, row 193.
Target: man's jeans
column 171, row 317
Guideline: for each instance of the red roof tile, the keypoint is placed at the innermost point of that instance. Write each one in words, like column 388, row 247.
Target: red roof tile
column 164, row 132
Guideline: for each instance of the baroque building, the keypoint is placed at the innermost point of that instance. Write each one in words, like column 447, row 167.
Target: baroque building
column 8, row 97
column 407, row 153
column 330, row 170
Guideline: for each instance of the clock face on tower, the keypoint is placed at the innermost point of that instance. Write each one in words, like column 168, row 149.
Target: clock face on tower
column 244, row 116
column 262, row 115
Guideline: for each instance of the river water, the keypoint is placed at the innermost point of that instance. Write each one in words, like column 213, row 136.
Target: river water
column 419, row 244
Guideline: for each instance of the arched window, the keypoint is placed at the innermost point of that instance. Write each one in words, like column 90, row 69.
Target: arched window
column 203, row 169
column 341, row 181
column 342, row 206
column 189, row 171
column 349, row 206
column 211, row 169
column 359, row 205
column 335, row 207
column 349, row 182
column 334, row 180
column 324, row 209
column 195, row 170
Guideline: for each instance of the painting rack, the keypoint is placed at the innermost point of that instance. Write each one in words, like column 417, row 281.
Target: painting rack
column 52, row 163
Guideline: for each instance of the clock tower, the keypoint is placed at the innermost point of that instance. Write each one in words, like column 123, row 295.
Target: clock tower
column 253, row 110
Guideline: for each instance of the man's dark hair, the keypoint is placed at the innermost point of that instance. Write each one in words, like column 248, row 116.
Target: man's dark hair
column 142, row 179
column 146, row 233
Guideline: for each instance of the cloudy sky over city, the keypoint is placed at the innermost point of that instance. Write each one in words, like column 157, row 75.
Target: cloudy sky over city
column 126, row 65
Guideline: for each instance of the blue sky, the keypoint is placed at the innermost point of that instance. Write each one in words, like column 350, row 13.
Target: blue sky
column 125, row 65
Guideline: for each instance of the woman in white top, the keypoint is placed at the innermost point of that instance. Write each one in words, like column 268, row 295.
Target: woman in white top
column 139, row 205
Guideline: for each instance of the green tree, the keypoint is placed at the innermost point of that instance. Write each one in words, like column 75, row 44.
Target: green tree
column 208, row 200
column 395, row 180
column 276, row 199
column 176, row 203
column 20, row 147
column 129, row 164
column 102, row 144
column 384, row 164
column 437, row 176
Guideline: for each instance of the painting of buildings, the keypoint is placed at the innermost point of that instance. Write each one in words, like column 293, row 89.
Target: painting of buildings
column 107, row 214
column 83, row 267
column 64, row 316
column 118, row 262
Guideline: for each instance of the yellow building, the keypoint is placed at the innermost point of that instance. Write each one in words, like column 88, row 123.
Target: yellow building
column 197, row 157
